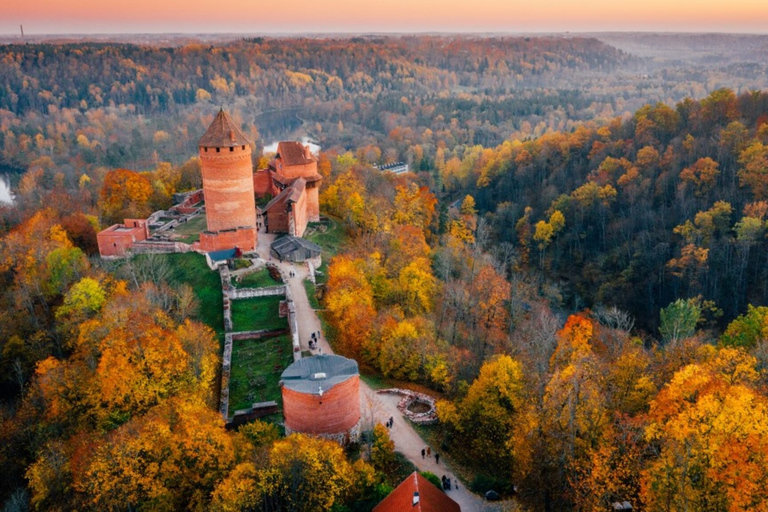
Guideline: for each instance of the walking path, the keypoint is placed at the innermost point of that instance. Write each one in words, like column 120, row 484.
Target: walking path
column 380, row 407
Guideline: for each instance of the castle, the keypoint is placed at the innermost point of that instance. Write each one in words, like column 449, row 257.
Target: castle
column 230, row 189
column 230, row 186
column 293, row 180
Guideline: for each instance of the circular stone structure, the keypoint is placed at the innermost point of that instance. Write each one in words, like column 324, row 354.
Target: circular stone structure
column 225, row 161
column 321, row 396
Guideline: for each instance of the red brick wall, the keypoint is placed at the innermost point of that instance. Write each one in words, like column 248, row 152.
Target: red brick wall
column 313, row 201
column 142, row 233
column 338, row 412
column 113, row 243
column 228, row 188
column 262, row 183
column 245, row 239
column 300, row 214
column 299, row 170
column 277, row 218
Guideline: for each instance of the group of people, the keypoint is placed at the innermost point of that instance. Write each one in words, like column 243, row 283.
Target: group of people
column 313, row 340
column 390, row 422
column 427, row 452
column 447, row 484
column 291, row 274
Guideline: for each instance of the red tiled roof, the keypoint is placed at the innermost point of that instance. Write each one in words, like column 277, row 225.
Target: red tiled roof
column 291, row 193
column 223, row 133
column 431, row 499
column 292, row 153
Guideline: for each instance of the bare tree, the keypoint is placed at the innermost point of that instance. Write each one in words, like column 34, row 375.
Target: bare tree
column 614, row 318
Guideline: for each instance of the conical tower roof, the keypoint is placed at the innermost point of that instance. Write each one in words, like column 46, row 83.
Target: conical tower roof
column 223, row 133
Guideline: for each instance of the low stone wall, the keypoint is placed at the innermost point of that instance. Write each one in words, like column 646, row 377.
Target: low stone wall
column 293, row 326
column 226, row 361
column 255, row 411
column 225, row 286
column 311, row 272
column 249, row 293
column 160, row 247
column 409, row 397
column 226, row 367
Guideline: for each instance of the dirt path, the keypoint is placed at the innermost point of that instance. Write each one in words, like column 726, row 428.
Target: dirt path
column 379, row 407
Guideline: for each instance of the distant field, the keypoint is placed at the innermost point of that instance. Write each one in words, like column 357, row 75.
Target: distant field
column 256, row 369
column 257, row 314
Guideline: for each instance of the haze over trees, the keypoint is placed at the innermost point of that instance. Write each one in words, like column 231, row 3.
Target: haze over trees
column 575, row 268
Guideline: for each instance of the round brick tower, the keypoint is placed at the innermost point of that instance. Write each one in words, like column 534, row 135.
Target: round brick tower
column 321, row 396
column 225, row 159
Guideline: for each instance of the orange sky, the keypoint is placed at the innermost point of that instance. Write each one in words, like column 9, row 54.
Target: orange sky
column 257, row 16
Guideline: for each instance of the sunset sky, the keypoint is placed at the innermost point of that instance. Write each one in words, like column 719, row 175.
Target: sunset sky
column 260, row 16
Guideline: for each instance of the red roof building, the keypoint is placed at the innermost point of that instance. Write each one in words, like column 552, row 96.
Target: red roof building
column 118, row 239
column 417, row 494
column 292, row 179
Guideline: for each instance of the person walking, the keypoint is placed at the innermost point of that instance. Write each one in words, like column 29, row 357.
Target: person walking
column 437, row 458
column 423, row 451
column 429, row 451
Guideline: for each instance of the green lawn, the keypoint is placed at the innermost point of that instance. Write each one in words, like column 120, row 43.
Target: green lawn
column 259, row 279
column 257, row 313
column 256, row 369
column 190, row 268
column 331, row 241
column 310, row 288
column 189, row 232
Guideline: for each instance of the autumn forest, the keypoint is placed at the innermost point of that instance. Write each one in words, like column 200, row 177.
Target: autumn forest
column 575, row 268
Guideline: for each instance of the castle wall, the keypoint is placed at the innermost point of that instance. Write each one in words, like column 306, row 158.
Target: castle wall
column 278, row 220
column 297, row 170
column 313, row 201
column 300, row 215
column 243, row 238
column 228, row 187
column 117, row 239
column 262, row 183
column 336, row 412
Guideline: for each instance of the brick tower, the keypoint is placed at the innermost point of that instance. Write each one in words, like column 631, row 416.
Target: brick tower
column 225, row 159
column 321, row 397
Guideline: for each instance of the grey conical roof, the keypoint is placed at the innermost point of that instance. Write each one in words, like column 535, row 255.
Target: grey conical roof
column 223, row 133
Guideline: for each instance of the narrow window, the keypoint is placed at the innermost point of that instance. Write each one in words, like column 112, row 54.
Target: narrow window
column 206, row 149
column 232, row 148
column 218, row 150
column 243, row 147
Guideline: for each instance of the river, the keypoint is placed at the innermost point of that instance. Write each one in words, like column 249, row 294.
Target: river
column 272, row 146
column 6, row 195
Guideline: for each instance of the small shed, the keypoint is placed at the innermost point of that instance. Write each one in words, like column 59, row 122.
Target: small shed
column 295, row 249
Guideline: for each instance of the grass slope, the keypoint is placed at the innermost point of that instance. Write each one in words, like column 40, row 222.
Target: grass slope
column 259, row 279
column 190, row 268
column 256, row 369
column 257, row 313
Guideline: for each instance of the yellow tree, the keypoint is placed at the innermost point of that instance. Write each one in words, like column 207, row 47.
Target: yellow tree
column 349, row 303
column 124, row 193
column 417, row 286
column 169, row 459
column 712, row 430
column 315, row 473
column 485, row 418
